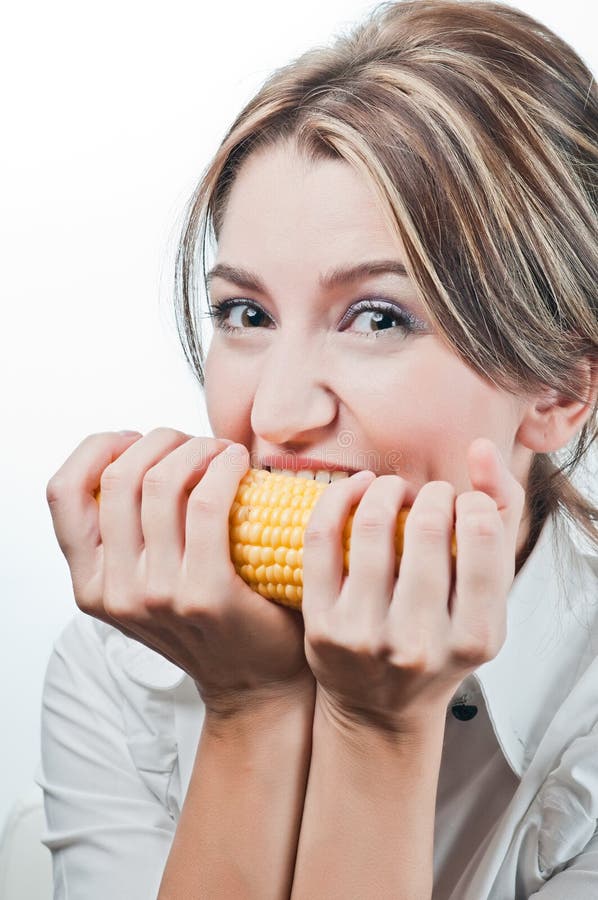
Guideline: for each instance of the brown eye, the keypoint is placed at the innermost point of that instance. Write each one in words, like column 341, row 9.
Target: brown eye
column 250, row 316
column 400, row 322
column 379, row 313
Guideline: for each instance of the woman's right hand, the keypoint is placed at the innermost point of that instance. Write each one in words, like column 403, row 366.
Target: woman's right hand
column 152, row 559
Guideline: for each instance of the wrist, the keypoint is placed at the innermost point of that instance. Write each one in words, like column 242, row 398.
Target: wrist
column 254, row 711
column 361, row 732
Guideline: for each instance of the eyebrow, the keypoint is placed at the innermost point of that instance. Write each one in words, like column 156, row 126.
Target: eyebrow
column 342, row 275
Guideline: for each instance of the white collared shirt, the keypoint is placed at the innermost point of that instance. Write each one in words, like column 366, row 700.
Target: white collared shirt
column 517, row 803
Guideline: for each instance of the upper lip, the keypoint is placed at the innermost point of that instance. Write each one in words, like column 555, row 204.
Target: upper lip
column 297, row 463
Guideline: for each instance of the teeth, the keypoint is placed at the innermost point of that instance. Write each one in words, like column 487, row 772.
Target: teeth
column 323, row 475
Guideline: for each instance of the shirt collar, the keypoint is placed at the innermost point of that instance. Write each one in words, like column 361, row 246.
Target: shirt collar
column 552, row 635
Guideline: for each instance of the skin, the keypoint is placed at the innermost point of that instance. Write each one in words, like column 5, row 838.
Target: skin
column 153, row 559
column 381, row 655
column 297, row 383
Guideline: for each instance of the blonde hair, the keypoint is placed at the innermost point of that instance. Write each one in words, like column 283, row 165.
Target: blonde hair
column 478, row 128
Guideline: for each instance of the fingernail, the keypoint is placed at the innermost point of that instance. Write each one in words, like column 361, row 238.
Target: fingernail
column 235, row 449
column 363, row 475
column 128, row 433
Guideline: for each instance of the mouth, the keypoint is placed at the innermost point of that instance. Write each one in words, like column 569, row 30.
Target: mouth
column 326, row 476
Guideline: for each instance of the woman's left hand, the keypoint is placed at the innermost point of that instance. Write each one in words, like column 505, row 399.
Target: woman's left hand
column 387, row 651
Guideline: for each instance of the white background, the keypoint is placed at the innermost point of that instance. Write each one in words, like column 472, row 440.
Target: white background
column 109, row 114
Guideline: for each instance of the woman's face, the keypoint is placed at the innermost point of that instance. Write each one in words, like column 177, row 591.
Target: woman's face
column 309, row 374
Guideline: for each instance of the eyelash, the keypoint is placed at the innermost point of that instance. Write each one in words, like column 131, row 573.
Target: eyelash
column 408, row 323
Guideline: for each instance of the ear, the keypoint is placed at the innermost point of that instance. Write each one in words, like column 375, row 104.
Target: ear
column 550, row 420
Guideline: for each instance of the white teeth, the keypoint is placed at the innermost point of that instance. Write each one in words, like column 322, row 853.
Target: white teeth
column 323, row 475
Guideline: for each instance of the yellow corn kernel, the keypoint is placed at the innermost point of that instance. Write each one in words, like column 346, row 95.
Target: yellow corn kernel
column 266, row 539
column 281, row 580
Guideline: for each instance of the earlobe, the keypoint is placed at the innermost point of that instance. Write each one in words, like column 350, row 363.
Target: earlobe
column 542, row 432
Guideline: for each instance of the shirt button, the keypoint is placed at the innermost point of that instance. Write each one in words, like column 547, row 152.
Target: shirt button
column 464, row 712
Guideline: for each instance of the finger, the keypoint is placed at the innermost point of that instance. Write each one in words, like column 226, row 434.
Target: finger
column 70, row 494
column 418, row 616
column 323, row 544
column 489, row 473
column 487, row 520
column 373, row 556
column 207, row 521
column 165, row 493
column 120, row 507
column 479, row 608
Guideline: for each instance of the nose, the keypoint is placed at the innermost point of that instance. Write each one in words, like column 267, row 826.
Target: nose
column 293, row 398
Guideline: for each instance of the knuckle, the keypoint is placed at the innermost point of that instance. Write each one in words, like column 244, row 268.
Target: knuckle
column 87, row 600
column 157, row 599
column 418, row 652
column 316, row 537
column 55, row 488
column 473, row 649
column 185, row 608
column 377, row 521
column 117, row 606
column 154, row 480
column 205, row 602
column 386, row 644
column 357, row 641
column 193, row 607
column 112, row 478
column 413, row 660
column 203, row 505
column 432, row 523
column 483, row 524
column 319, row 533
column 317, row 634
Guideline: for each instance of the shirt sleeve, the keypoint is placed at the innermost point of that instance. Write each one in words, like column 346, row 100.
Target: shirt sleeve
column 108, row 832
column 579, row 881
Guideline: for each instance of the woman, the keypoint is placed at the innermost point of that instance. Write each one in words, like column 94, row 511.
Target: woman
column 411, row 736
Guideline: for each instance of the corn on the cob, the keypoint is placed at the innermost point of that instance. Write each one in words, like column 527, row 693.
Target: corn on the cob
column 267, row 522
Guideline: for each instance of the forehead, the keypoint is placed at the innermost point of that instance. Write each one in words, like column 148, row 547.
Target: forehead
column 283, row 204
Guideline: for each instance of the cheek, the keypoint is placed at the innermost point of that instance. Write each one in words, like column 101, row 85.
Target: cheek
column 425, row 420
column 229, row 390
column 222, row 391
